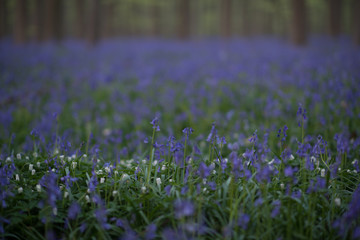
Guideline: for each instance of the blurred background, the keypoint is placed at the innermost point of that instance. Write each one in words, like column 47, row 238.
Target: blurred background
column 24, row 21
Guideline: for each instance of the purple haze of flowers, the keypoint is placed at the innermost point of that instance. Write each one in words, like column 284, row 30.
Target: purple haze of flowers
column 243, row 221
column 49, row 182
column 204, row 171
column 101, row 216
column 289, row 171
column 276, row 209
column 150, row 232
column 183, row 208
column 74, row 210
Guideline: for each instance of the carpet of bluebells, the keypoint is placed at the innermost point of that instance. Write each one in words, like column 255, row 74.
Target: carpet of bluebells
column 159, row 139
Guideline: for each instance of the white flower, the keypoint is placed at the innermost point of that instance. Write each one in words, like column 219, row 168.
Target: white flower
column 61, row 157
column 204, row 181
column 322, row 174
column 69, row 159
column 337, row 201
column 20, row 190
column 107, row 169
column 170, row 180
column 348, row 171
column 85, row 156
column 73, row 156
column 190, row 160
column 214, row 171
column 339, row 169
column 116, row 172
column 56, row 151
column 354, row 171
column 158, row 181
column 212, row 165
column 53, row 170
column 35, row 154
column 66, row 194
column 18, row 156
column 125, row 177
column 38, row 164
column 291, row 157
column 226, row 160
column 87, row 198
column 8, row 159
column 27, row 158
column 155, row 163
column 74, row 164
column 143, row 189
column 114, row 193
column 163, row 168
column 102, row 180
column 144, row 161
column 61, row 187
column 271, row 162
column 17, row 178
column 205, row 190
column 354, row 162
column 98, row 160
column 31, row 167
column 282, row 186
column 55, row 211
column 313, row 159
column 38, row 187
column 33, row 172
column 88, row 190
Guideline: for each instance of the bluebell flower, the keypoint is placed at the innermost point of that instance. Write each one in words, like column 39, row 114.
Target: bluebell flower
column 74, row 210
column 183, row 208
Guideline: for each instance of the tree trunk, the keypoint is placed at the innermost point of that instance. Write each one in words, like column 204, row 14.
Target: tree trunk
column 94, row 31
column 53, row 25
column 80, row 27
column 245, row 18
column 3, row 18
column 298, row 31
column 20, row 22
column 356, row 22
column 225, row 26
column 156, row 20
column 184, row 19
column 39, row 20
column 335, row 7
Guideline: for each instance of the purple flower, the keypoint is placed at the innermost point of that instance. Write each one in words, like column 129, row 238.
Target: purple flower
column 49, row 182
column 276, row 209
column 187, row 131
column 74, row 210
column 150, row 232
column 213, row 133
column 183, row 208
column 243, row 221
column 204, row 170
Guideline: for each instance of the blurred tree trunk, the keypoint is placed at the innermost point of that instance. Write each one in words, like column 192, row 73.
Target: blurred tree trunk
column 94, row 31
column 39, row 20
column 245, row 18
column 53, row 25
column 356, row 21
column 225, row 26
column 184, row 19
column 108, row 19
column 335, row 7
column 3, row 18
column 298, row 28
column 156, row 19
column 20, row 21
column 80, row 19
